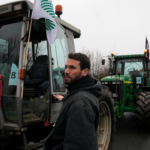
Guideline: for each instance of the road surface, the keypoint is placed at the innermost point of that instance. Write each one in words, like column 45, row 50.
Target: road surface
column 129, row 136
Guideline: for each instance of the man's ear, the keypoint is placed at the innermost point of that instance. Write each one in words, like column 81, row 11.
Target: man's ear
column 85, row 72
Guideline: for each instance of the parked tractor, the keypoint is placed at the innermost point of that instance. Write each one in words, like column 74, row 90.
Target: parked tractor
column 129, row 84
column 28, row 109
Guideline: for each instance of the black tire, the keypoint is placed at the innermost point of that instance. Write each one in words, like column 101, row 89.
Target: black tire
column 107, row 114
column 143, row 110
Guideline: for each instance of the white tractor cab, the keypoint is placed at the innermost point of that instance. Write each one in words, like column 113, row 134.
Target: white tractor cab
column 27, row 106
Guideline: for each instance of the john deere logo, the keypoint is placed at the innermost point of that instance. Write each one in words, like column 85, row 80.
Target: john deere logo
column 48, row 7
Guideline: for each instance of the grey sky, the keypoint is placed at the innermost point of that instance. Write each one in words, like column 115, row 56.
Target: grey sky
column 118, row 26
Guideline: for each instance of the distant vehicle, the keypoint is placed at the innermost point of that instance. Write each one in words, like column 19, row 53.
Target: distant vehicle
column 129, row 83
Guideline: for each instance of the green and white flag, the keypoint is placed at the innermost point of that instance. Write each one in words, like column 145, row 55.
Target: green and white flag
column 44, row 9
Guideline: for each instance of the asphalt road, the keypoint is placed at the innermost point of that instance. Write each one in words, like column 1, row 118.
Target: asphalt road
column 129, row 136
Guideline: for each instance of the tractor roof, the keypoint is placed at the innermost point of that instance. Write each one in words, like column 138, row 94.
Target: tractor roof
column 76, row 31
column 130, row 56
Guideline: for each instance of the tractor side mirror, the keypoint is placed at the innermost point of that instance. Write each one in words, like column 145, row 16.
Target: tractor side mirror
column 103, row 61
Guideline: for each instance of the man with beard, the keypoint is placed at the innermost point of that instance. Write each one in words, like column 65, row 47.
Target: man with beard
column 77, row 125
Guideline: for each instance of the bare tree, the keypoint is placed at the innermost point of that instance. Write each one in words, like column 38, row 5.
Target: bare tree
column 13, row 49
column 97, row 70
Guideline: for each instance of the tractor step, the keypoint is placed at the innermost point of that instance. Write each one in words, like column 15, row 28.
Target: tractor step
column 33, row 146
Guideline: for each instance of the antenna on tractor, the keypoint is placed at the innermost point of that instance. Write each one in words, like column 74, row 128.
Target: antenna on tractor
column 115, row 47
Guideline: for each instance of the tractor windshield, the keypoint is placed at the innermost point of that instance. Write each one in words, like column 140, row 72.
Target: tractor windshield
column 10, row 36
column 130, row 66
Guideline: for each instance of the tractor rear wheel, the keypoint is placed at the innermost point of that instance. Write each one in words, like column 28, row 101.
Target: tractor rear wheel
column 106, row 134
column 143, row 109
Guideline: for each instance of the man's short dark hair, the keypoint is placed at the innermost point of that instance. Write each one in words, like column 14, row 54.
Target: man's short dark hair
column 84, row 60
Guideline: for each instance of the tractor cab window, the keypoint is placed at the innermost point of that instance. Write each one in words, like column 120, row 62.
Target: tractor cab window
column 10, row 37
column 36, row 84
column 59, row 52
column 131, row 66
column 37, row 50
column 119, row 68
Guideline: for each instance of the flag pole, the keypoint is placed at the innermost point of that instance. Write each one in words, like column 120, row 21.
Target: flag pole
column 28, row 44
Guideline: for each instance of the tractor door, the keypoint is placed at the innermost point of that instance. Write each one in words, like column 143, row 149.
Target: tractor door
column 45, row 71
column 10, row 43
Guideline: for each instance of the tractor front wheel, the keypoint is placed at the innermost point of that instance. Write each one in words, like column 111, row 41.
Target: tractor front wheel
column 143, row 109
column 106, row 134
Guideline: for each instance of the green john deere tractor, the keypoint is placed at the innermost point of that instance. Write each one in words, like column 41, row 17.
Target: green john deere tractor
column 129, row 83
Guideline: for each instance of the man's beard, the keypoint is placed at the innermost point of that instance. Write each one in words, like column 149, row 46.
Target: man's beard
column 71, row 81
